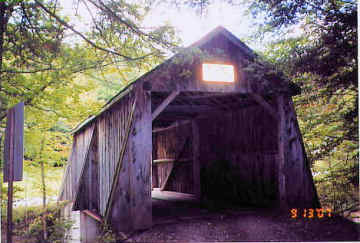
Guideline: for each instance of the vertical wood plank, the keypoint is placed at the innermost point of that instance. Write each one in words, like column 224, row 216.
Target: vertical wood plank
column 196, row 158
column 141, row 142
column 121, row 209
column 301, row 191
column 106, row 155
column 101, row 163
column 282, row 137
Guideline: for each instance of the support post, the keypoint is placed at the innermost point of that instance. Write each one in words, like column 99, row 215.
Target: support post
column 196, row 161
column 140, row 166
column 282, row 139
column 10, row 178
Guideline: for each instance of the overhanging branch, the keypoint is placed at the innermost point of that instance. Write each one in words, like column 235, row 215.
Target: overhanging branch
column 62, row 22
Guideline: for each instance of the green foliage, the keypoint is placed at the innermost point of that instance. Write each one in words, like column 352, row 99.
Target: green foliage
column 323, row 61
column 29, row 223
column 338, row 184
column 62, row 84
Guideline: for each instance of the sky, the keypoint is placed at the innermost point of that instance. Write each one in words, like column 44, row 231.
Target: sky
column 189, row 25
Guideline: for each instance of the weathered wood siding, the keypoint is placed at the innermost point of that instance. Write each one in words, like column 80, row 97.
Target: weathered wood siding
column 175, row 144
column 141, row 149
column 299, row 186
column 81, row 144
column 132, row 205
column 66, row 190
column 111, row 128
column 246, row 138
column 88, row 195
column 170, row 78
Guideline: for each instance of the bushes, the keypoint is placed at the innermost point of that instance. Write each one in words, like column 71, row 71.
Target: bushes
column 338, row 186
column 28, row 223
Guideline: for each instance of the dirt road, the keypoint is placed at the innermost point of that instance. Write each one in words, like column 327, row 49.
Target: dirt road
column 243, row 225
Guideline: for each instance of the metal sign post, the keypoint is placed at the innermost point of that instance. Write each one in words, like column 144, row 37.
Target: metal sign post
column 13, row 157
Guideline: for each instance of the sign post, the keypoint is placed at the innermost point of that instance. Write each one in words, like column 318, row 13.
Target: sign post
column 13, row 157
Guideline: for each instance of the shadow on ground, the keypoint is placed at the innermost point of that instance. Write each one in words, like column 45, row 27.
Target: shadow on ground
column 185, row 220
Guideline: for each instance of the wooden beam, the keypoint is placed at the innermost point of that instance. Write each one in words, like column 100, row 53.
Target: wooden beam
column 169, row 160
column 196, row 159
column 186, row 109
column 219, row 105
column 175, row 124
column 282, row 140
column 164, row 104
column 140, row 153
column 93, row 215
column 259, row 99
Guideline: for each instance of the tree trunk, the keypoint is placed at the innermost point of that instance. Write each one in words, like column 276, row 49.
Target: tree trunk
column 43, row 186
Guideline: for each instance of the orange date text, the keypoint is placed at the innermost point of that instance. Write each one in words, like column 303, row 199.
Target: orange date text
column 310, row 213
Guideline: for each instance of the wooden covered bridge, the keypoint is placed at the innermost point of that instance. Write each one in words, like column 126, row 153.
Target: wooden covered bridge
column 214, row 101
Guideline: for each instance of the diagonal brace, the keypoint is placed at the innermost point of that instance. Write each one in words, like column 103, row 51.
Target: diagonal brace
column 164, row 104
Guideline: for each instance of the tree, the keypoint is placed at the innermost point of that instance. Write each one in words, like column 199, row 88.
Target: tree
column 32, row 35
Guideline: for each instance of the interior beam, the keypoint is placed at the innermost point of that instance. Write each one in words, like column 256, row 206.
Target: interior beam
column 173, row 125
column 164, row 104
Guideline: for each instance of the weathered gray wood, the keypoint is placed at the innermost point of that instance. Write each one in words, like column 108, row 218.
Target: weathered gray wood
column 196, row 158
column 14, row 142
column 265, row 105
column 94, row 182
column 174, row 164
column 140, row 171
column 300, row 188
column 282, row 142
column 101, row 140
column 84, row 164
column 120, row 162
column 120, row 216
column 162, row 187
column 90, row 227
column 164, row 104
column 64, row 193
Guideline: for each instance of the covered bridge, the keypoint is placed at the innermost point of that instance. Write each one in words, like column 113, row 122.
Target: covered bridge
column 213, row 101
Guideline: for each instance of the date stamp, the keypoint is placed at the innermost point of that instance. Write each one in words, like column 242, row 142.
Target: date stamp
column 310, row 213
